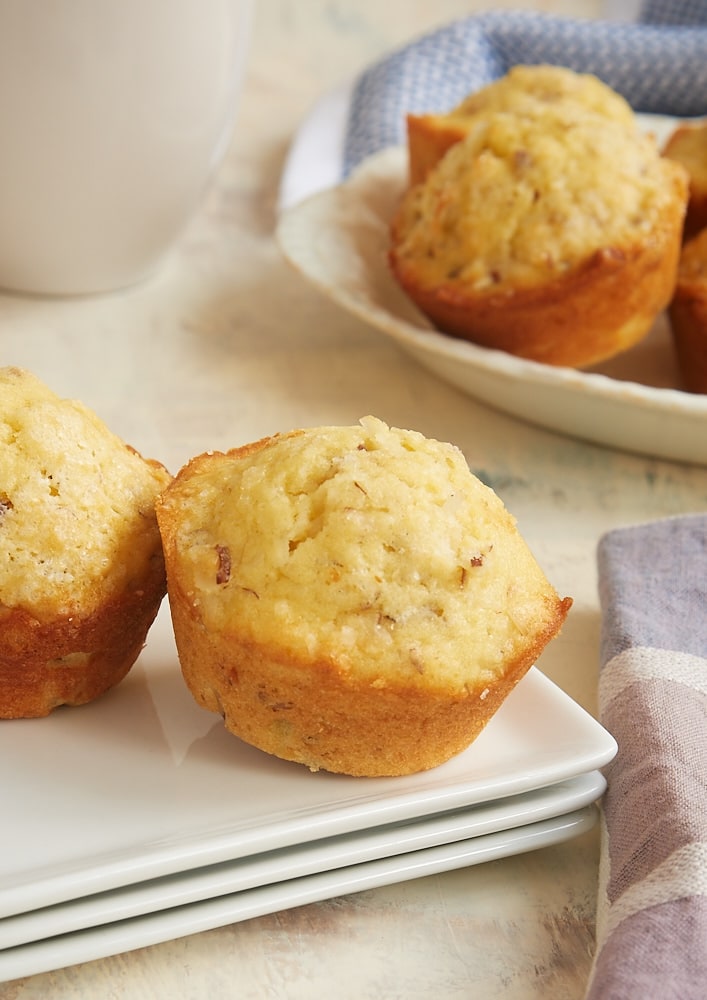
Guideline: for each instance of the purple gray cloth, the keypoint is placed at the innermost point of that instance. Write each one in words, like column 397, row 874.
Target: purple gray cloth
column 652, row 913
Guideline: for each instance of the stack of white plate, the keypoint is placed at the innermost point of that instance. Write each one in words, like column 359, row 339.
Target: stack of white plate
column 138, row 818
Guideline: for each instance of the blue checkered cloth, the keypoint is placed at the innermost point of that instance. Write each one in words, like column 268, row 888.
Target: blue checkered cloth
column 659, row 64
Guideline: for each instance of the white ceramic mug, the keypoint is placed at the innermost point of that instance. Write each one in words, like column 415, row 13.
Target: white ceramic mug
column 113, row 117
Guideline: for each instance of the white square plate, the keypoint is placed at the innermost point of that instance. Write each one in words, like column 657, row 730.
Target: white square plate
column 152, row 928
column 282, row 865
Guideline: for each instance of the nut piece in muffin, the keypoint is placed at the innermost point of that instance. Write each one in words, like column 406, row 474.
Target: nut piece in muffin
column 688, row 146
column 688, row 314
column 350, row 598
column 526, row 91
column 553, row 238
column 82, row 574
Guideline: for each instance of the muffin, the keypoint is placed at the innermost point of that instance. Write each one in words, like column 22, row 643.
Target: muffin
column 688, row 314
column 350, row 598
column 552, row 238
column 688, row 146
column 83, row 575
column 526, row 91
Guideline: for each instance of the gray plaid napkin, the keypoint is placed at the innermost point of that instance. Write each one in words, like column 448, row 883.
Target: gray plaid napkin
column 659, row 64
column 652, row 914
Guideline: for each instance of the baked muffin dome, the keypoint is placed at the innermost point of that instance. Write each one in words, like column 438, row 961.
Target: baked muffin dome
column 83, row 575
column 688, row 314
column 553, row 238
column 525, row 91
column 350, row 598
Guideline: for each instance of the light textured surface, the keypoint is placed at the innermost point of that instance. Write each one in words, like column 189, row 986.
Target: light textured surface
column 225, row 345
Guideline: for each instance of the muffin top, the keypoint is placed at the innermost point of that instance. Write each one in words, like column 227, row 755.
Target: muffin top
column 370, row 547
column 532, row 91
column 77, row 516
column 524, row 200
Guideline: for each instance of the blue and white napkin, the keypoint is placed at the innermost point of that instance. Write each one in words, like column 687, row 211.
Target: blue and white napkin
column 658, row 68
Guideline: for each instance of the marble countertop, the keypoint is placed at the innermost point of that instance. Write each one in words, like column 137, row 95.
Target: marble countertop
column 226, row 344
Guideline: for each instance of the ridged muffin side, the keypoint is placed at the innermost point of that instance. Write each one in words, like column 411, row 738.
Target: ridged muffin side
column 688, row 314
column 687, row 145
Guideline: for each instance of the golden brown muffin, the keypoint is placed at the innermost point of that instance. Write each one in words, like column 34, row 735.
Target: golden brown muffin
column 350, row 598
column 688, row 314
column 688, row 145
column 82, row 574
column 525, row 91
column 553, row 239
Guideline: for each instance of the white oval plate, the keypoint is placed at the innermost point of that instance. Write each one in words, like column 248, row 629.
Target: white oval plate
column 338, row 240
